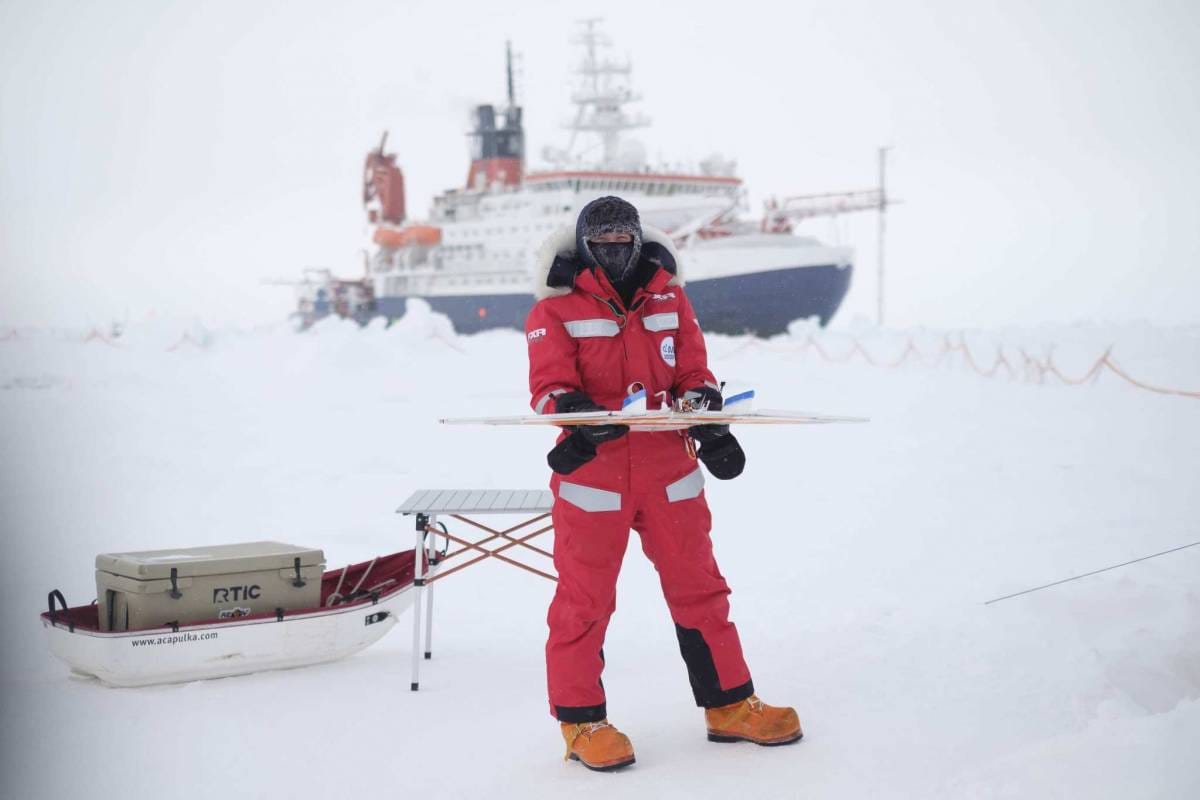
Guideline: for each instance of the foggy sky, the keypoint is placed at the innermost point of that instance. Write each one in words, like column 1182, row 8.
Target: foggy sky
column 164, row 158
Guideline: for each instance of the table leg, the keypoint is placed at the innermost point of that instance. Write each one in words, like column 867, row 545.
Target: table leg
column 432, row 554
column 418, row 587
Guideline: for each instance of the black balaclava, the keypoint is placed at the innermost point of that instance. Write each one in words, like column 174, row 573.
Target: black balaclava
column 613, row 257
column 609, row 215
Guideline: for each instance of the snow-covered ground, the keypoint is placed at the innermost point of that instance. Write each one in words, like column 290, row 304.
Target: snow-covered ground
column 860, row 558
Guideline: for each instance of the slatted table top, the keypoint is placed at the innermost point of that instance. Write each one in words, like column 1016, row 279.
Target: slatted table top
column 478, row 501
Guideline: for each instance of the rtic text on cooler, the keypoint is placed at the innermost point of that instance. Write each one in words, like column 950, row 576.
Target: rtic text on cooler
column 234, row 593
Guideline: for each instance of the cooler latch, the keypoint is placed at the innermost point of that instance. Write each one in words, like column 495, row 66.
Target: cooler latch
column 299, row 581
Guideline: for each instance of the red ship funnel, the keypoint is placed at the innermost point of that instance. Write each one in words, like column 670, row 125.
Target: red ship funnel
column 497, row 150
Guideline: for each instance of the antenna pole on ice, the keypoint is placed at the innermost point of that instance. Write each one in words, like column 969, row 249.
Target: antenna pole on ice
column 883, row 202
column 1089, row 574
column 508, row 65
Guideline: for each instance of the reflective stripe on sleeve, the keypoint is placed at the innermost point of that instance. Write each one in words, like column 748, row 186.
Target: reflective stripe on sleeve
column 687, row 487
column 586, row 328
column 587, row 498
column 546, row 399
column 667, row 321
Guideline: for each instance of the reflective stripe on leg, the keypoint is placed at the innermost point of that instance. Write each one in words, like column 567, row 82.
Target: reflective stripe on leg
column 589, row 499
column 687, row 487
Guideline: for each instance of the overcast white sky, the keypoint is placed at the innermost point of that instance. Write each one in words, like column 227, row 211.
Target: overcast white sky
column 166, row 157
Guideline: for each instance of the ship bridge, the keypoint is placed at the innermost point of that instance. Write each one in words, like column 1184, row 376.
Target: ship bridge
column 651, row 184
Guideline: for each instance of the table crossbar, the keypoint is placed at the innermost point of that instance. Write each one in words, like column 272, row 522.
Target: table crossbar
column 493, row 553
column 505, row 533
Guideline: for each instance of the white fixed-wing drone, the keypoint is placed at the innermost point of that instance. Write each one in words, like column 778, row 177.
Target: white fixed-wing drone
column 737, row 410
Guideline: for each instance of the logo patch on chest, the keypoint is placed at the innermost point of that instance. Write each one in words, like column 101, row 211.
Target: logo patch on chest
column 667, row 350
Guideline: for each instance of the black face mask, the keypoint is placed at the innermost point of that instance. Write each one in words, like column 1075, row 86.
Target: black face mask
column 614, row 257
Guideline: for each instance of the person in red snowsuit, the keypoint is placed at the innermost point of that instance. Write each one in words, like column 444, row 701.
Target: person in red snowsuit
column 612, row 319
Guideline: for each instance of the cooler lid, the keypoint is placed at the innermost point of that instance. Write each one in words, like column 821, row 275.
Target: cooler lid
column 212, row 560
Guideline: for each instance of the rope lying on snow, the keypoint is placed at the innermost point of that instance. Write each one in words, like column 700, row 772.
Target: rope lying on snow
column 1093, row 572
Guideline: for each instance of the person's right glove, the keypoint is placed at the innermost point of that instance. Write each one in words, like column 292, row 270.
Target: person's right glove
column 570, row 454
column 580, row 447
column 579, row 402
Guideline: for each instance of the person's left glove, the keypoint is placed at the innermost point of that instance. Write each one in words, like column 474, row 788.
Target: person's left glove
column 710, row 399
column 723, row 456
column 719, row 451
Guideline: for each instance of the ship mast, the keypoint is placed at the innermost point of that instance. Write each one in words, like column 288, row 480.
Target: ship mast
column 602, row 92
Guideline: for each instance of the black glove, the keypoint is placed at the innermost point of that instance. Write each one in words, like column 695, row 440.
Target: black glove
column 578, row 402
column 722, row 455
column 570, row 454
column 699, row 397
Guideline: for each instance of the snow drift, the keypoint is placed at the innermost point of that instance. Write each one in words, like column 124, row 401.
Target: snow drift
column 860, row 558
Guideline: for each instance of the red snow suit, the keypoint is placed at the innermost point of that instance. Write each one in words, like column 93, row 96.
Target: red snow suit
column 585, row 340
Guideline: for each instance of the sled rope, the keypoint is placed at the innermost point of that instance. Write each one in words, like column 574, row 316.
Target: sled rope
column 1087, row 574
column 366, row 572
column 335, row 597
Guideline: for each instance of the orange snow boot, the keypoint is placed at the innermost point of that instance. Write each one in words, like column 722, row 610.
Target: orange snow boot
column 752, row 720
column 597, row 745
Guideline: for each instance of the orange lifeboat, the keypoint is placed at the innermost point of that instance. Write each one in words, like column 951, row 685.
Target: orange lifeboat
column 408, row 236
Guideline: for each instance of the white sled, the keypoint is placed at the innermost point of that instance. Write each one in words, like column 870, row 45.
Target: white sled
column 219, row 648
column 634, row 413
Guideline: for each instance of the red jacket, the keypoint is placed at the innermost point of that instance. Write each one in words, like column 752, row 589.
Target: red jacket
column 584, row 339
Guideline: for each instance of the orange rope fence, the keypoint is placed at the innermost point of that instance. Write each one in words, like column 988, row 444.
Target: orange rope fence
column 186, row 338
column 96, row 336
column 1031, row 368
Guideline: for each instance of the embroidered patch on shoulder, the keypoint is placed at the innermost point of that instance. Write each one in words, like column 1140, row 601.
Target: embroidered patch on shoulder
column 667, row 350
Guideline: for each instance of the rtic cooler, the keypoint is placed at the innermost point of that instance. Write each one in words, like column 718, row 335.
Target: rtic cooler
column 159, row 587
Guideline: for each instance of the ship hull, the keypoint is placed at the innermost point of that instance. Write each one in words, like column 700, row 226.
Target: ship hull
column 765, row 303
column 759, row 303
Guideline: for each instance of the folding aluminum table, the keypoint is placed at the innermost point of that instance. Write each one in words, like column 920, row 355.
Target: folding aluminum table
column 461, row 505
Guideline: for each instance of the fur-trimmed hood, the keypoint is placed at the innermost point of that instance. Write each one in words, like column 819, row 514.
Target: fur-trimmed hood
column 562, row 243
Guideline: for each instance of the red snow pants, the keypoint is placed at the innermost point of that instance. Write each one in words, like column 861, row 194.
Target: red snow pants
column 647, row 482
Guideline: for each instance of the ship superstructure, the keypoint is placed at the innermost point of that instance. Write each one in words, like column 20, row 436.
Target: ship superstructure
column 472, row 258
